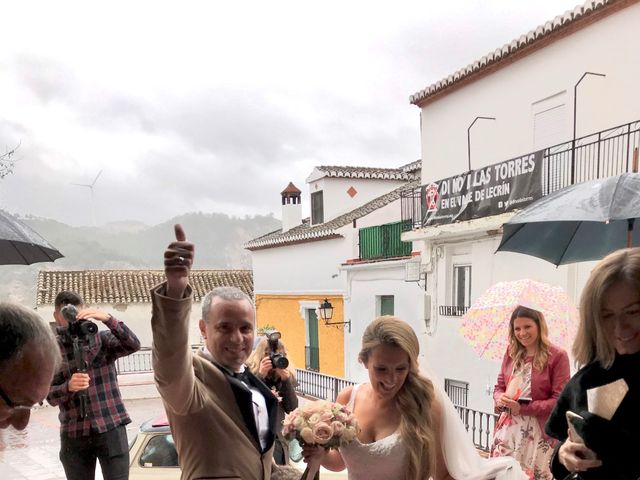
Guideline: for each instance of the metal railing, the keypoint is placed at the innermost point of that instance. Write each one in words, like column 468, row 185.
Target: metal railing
column 452, row 310
column 479, row 425
column 457, row 391
column 599, row 155
column 138, row 362
column 319, row 385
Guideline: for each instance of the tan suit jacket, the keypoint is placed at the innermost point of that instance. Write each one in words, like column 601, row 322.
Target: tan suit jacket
column 211, row 435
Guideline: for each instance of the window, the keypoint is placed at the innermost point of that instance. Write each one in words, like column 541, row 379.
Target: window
column 386, row 304
column 457, row 390
column 317, row 208
column 461, row 295
column 311, row 349
column 160, row 451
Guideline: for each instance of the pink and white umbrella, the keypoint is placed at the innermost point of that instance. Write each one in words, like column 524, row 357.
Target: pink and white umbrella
column 486, row 324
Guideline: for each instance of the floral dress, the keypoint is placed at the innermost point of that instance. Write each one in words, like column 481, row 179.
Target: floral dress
column 520, row 436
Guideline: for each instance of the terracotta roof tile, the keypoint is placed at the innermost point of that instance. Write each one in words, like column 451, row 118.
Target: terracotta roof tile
column 131, row 286
column 370, row 172
column 516, row 46
column 307, row 233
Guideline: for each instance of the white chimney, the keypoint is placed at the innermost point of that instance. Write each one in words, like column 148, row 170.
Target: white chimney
column 291, row 207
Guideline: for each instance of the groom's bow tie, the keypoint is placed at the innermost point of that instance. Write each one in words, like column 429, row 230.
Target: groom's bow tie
column 242, row 376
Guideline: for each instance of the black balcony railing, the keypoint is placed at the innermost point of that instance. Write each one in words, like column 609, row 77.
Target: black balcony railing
column 479, row 425
column 452, row 310
column 599, row 155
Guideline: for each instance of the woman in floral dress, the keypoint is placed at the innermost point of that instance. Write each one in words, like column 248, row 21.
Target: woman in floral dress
column 532, row 375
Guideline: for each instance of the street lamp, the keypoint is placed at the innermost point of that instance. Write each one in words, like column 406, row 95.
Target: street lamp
column 575, row 108
column 326, row 314
column 469, row 139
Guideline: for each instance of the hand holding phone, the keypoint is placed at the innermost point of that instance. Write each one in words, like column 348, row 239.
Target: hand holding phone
column 576, row 422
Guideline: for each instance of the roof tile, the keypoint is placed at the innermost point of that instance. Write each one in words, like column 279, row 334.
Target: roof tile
column 131, row 286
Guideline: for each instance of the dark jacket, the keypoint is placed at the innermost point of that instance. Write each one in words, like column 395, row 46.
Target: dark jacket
column 615, row 441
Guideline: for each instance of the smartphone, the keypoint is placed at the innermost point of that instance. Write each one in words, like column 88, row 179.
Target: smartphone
column 574, row 419
column 524, row 400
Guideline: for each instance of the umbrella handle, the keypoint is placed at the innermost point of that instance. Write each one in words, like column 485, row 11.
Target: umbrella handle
column 630, row 232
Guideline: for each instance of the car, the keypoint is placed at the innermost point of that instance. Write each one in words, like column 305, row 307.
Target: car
column 153, row 456
column 152, row 453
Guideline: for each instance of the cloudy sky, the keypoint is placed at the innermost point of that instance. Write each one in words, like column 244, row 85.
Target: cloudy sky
column 215, row 106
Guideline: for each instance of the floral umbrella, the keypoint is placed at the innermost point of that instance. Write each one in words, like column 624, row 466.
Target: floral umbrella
column 486, row 324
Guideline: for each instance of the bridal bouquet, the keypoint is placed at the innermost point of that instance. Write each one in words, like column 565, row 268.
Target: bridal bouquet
column 323, row 423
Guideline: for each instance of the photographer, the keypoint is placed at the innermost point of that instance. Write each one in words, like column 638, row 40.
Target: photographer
column 92, row 415
column 269, row 362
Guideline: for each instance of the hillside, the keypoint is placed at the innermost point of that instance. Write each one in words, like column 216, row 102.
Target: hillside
column 124, row 245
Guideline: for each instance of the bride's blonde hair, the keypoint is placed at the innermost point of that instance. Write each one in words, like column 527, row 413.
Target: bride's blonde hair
column 415, row 398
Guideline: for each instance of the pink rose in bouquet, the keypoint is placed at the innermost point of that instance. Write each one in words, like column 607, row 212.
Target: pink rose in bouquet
column 323, row 423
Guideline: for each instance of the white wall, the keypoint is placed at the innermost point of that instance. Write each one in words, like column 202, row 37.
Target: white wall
column 512, row 95
column 364, row 283
column 448, row 353
column 336, row 199
column 311, row 267
column 138, row 318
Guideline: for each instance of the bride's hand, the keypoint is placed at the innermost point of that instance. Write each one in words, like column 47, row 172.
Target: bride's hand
column 313, row 452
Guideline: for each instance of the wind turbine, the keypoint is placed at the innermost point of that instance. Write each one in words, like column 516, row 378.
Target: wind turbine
column 90, row 187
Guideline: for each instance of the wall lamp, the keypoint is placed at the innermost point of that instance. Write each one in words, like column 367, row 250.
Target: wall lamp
column 326, row 314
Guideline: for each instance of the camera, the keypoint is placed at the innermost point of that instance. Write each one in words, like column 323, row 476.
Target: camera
column 76, row 328
column 278, row 360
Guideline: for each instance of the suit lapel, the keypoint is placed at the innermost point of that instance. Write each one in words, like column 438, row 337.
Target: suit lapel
column 228, row 400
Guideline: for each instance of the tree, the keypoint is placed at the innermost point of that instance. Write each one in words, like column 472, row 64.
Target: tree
column 7, row 162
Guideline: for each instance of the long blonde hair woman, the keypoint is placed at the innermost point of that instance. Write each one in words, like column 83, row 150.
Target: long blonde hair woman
column 397, row 412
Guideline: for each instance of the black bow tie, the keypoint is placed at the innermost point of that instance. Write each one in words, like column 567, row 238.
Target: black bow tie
column 242, row 376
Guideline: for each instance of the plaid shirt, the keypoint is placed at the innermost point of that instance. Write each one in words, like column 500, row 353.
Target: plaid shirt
column 104, row 403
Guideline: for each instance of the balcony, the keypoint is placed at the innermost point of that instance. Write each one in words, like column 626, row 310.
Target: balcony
column 599, row 155
column 382, row 241
column 452, row 310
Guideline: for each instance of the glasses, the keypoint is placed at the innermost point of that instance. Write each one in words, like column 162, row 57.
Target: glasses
column 11, row 404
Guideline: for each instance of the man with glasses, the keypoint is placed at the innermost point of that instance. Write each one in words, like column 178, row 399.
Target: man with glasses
column 29, row 356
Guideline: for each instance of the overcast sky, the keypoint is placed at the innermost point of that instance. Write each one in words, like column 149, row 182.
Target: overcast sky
column 215, row 106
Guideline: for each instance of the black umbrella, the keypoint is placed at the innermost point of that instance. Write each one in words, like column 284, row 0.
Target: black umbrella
column 582, row 222
column 21, row 245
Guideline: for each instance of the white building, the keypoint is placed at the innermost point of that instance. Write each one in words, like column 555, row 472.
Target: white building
column 338, row 254
column 525, row 94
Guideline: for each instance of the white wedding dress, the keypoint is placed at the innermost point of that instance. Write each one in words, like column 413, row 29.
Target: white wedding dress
column 384, row 459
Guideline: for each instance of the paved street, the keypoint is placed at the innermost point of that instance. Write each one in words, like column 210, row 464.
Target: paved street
column 32, row 454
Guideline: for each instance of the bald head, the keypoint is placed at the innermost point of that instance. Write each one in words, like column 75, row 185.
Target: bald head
column 29, row 356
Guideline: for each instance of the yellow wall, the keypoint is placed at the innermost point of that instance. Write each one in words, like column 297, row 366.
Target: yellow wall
column 284, row 313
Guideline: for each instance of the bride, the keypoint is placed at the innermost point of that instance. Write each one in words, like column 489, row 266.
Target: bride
column 409, row 430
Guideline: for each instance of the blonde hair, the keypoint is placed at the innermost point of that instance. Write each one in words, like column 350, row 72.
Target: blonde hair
column 517, row 351
column 415, row 398
column 592, row 342
column 262, row 350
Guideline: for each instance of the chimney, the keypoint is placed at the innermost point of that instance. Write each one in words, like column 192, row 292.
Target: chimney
column 291, row 207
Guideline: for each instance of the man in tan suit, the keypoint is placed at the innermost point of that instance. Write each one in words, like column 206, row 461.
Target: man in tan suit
column 223, row 418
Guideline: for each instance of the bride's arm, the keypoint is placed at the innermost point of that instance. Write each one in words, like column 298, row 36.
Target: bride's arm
column 441, row 472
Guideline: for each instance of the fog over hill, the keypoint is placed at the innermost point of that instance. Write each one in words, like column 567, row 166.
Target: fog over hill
column 219, row 241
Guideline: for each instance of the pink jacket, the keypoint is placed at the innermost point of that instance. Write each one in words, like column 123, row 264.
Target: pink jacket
column 545, row 385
